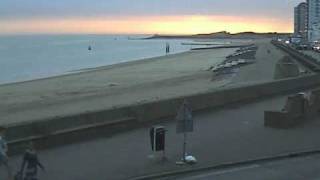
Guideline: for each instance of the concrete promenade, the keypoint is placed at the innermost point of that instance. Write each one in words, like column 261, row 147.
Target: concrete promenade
column 234, row 133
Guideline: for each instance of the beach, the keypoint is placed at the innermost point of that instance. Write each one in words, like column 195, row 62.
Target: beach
column 54, row 55
column 152, row 80
column 129, row 83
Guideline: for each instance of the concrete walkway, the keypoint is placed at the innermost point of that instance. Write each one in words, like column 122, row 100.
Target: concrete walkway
column 230, row 134
column 263, row 69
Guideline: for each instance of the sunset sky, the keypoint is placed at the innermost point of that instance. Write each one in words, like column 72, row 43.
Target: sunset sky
column 145, row 16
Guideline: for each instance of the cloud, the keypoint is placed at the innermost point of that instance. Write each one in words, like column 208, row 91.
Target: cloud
column 93, row 15
column 190, row 24
column 94, row 8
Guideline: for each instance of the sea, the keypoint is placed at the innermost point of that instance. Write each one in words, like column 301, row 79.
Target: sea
column 29, row 57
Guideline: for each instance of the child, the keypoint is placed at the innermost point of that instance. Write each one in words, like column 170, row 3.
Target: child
column 31, row 162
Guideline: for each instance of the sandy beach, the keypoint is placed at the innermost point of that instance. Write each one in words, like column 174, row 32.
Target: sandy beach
column 129, row 83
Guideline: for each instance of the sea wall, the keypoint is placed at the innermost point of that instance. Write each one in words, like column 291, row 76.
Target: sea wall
column 61, row 130
column 168, row 108
column 299, row 109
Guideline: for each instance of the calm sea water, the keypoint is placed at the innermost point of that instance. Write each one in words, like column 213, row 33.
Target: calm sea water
column 31, row 57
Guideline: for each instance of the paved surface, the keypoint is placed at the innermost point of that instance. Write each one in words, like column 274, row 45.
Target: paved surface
column 292, row 169
column 264, row 68
column 230, row 134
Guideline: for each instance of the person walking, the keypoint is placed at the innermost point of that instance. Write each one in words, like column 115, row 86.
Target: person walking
column 4, row 160
column 30, row 164
column 167, row 48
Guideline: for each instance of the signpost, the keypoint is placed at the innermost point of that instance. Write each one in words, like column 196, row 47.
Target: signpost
column 184, row 125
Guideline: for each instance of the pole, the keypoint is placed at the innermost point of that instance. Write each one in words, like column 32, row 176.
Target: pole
column 184, row 147
column 164, row 155
column 184, row 134
column 164, row 152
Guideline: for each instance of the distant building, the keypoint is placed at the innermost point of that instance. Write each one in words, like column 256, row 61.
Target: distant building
column 301, row 21
column 313, row 20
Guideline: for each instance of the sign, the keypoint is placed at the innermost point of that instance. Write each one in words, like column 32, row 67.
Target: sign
column 184, row 119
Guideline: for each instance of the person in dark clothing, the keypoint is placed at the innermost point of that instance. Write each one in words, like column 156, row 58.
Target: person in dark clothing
column 30, row 164
column 4, row 160
column 167, row 48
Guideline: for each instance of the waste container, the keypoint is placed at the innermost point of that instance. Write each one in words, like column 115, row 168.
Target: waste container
column 157, row 137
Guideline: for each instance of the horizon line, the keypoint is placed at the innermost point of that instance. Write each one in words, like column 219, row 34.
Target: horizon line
column 150, row 34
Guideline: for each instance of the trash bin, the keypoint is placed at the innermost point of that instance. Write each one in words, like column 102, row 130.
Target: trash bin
column 157, row 138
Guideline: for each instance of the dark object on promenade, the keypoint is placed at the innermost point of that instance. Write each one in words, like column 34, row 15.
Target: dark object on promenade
column 89, row 48
column 298, row 109
column 158, row 140
column 30, row 164
column 157, row 137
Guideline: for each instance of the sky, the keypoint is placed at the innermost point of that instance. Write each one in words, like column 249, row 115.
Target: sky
column 145, row 16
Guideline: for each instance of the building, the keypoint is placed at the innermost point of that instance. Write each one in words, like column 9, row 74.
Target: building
column 313, row 20
column 301, row 21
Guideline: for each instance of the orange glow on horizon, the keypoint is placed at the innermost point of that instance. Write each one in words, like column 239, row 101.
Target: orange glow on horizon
column 147, row 25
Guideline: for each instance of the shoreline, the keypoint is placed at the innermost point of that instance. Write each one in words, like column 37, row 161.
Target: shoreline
column 74, row 63
column 99, row 68
column 128, row 63
column 71, row 71
column 110, row 86
column 117, row 65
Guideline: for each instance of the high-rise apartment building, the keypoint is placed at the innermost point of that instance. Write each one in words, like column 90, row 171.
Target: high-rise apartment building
column 313, row 20
column 301, row 21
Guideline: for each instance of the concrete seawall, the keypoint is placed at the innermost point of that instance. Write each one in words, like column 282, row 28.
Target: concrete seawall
column 61, row 130
column 168, row 108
